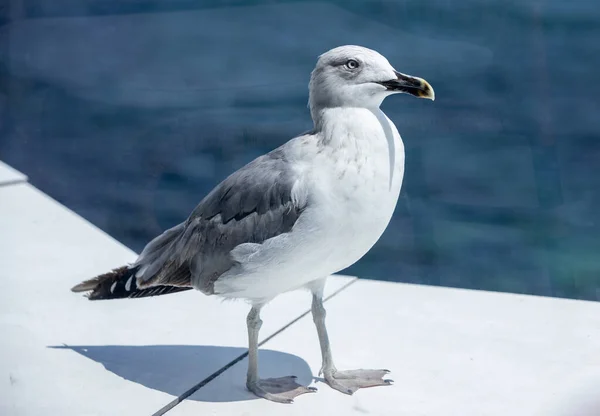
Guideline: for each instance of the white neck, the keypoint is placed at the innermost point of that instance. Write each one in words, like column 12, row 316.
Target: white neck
column 340, row 124
column 360, row 132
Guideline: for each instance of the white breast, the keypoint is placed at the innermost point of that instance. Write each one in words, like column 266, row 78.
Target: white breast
column 357, row 186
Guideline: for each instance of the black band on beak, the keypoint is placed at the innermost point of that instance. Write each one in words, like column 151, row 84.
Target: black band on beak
column 411, row 85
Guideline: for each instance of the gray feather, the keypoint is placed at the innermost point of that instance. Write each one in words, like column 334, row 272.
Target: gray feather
column 250, row 206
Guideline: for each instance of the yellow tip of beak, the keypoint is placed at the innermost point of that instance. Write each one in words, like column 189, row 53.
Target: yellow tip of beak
column 426, row 90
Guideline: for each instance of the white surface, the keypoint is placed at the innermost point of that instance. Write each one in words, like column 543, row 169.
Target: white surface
column 154, row 348
column 9, row 175
column 451, row 352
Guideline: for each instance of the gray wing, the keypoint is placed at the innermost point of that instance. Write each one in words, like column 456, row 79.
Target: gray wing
column 250, row 206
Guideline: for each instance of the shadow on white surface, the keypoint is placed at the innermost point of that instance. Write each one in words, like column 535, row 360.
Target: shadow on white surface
column 173, row 369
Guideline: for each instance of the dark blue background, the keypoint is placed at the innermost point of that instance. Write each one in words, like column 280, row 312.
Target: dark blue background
column 130, row 111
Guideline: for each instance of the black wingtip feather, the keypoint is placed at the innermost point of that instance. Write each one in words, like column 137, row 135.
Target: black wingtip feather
column 120, row 283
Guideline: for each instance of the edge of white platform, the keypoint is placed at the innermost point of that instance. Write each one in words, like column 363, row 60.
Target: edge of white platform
column 10, row 176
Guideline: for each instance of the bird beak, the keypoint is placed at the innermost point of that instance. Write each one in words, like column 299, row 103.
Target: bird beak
column 411, row 85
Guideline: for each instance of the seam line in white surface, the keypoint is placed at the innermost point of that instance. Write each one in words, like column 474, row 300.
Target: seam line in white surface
column 220, row 371
column 12, row 182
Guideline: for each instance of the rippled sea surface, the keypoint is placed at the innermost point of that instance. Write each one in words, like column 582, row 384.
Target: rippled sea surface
column 130, row 112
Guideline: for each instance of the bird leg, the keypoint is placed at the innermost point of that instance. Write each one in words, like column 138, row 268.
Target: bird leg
column 345, row 381
column 280, row 390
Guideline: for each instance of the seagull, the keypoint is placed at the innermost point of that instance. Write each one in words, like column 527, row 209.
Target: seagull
column 292, row 217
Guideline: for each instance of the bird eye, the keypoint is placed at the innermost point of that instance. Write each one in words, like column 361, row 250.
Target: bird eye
column 352, row 64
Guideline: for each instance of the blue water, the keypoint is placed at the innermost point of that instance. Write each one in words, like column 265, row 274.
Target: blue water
column 130, row 112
